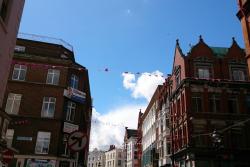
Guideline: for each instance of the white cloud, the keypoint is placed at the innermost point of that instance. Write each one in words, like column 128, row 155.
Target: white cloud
column 109, row 128
column 145, row 84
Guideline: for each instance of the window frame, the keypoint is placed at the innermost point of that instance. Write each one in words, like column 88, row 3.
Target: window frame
column 19, row 69
column 55, row 77
column 42, row 140
column 15, row 99
column 238, row 74
column 74, row 81
column 205, row 72
column 45, row 112
column 197, row 96
column 71, row 110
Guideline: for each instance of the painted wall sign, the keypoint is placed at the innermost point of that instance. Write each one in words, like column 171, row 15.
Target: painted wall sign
column 75, row 95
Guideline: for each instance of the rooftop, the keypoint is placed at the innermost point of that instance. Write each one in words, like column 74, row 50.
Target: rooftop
column 45, row 39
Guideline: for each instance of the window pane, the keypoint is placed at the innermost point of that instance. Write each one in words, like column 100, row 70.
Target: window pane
column 19, row 72
column 48, row 107
column 53, row 77
column 13, row 103
column 42, row 144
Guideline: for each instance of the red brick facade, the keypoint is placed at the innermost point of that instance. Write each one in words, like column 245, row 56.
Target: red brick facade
column 209, row 90
column 28, row 121
column 244, row 17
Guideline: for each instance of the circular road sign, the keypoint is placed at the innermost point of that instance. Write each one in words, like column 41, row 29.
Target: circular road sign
column 77, row 141
column 8, row 155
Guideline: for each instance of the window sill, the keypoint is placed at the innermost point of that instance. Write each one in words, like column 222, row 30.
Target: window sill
column 41, row 153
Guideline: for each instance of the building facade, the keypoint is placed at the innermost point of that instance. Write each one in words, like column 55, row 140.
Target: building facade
column 209, row 101
column 114, row 157
column 244, row 17
column 139, row 138
column 48, row 97
column 10, row 17
column 96, row 158
column 131, row 148
column 149, row 143
column 163, row 136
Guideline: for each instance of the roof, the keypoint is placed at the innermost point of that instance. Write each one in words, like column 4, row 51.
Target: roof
column 219, row 51
column 131, row 133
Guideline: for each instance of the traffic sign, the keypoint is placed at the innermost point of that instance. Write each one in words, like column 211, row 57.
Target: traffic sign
column 77, row 141
column 8, row 155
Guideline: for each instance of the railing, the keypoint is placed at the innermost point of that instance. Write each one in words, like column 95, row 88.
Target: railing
column 45, row 39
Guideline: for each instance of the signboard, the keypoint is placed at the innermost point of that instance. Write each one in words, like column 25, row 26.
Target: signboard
column 8, row 155
column 40, row 163
column 75, row 95
column 24, row 138
column 69, row 128
column 77, row 141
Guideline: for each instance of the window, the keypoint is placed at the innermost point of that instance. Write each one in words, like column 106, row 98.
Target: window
column 214, row 103
column 53, row 77
column 119, row 162
column 71, row 109
column 48, row 107
column 74, row 81
column 9, row 137
column 19, row 72
column 4, row 9
column 42, row 143
column 65, row 146
column 5, row 127
column 196, row 103
column 232, row 104
column 238, row 75
column 13, row 103
column 203, row 73
column 178, row 78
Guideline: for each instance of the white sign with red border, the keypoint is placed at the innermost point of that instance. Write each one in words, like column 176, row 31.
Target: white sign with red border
column 77, row 141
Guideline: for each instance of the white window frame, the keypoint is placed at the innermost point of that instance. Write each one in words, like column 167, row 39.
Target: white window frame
column 13, row 103
column 66, row 151
column 9, row 136
column 71, row 110
column 48, row 102
column 4, row 128
column 74, row 81
column 54, row 74
column 21, row 72
column 42, row 141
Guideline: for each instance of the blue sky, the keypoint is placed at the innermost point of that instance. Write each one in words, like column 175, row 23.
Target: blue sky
column 130, row 35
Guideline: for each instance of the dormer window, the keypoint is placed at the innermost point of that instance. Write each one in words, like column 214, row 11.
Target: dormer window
column 203, row 73
column 238, row 75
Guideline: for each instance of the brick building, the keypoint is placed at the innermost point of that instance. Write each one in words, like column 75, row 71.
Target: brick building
column 131, row 147
column 48, row 97
column 210, row 106
column 163, row 136
column 10, row 16
column 149, row 132
column 244, row 17
column 139, row 138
